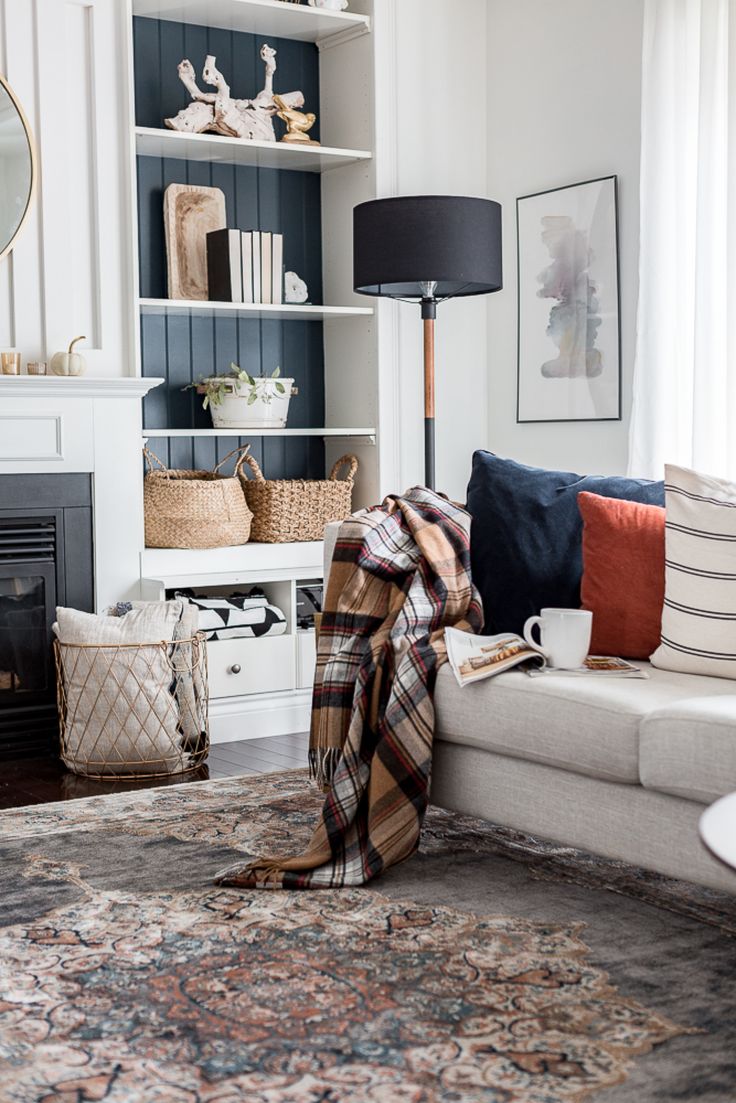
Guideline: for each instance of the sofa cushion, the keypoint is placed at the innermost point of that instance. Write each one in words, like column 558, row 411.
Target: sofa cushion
column 526, row 539
column 688, row 748
column 623, row 574
column 584, row 725
column 699, row 614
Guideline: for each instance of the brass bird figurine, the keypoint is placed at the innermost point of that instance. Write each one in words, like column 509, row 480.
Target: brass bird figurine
column 297, row 123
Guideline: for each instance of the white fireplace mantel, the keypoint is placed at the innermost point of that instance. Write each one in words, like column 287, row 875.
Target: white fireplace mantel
column 51, row 424
column 75, row 386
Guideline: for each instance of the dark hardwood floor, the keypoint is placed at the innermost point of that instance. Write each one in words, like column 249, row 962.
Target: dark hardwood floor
column 41, row 780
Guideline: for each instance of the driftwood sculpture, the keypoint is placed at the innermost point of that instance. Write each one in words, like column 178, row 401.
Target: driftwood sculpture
column 219, row 112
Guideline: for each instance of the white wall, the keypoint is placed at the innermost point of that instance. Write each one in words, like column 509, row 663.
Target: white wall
column 564, row 91
column 489, row 97
column 67, row 272
column 502, row 98
column 441, row 104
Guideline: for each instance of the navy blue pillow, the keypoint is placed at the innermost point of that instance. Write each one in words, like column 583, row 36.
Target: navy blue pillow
column 527, row 532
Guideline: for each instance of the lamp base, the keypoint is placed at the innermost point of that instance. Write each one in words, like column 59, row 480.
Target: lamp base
column 429, row 478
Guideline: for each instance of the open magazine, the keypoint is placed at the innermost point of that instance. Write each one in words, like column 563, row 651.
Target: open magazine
column 473, row 658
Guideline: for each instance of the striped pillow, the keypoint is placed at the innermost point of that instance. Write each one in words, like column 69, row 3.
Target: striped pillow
column 699, row 614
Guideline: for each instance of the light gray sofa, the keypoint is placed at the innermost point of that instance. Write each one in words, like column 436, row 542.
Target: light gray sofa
column 619, row 767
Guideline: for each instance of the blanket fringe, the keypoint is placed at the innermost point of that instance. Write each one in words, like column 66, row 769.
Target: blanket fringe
column 323, row 761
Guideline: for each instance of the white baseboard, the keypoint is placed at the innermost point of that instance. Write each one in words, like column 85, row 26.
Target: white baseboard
column 259, row 715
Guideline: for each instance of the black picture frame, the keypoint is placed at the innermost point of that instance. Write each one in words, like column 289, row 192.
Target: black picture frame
column 615, row 255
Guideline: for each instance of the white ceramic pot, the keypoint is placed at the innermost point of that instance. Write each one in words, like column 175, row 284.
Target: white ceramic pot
column 269, row 411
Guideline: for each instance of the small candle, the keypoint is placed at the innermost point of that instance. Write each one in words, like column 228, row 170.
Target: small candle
column 10, row 363
column 34, row 367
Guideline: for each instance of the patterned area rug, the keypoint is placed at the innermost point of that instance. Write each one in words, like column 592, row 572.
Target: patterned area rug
column 547, row 861
column 283, row 828
column 126, row 975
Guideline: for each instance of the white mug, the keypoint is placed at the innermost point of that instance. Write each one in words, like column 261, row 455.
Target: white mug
column 565, row 636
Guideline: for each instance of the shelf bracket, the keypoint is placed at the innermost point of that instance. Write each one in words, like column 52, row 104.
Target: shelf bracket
column 341, row 37
column 368, row 438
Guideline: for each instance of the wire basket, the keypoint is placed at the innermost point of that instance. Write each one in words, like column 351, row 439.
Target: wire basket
column 133, row 710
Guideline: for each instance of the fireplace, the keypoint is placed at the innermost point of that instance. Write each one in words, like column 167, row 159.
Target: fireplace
column 46, row 559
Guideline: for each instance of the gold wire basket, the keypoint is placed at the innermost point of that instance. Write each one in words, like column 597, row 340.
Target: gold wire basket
column 133, row 710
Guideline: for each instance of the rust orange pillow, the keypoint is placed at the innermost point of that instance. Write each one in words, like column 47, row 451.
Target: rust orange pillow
column 623, row 574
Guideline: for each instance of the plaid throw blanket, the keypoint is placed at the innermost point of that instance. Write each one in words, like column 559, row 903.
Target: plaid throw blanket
column 400, row 574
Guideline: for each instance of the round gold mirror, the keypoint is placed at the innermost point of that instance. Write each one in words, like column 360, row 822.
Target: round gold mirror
column 17, row 167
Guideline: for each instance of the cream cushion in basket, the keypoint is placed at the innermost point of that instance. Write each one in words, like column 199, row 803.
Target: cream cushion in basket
column 121, row 715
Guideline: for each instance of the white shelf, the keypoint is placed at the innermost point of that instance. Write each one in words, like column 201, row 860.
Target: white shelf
column 262, row 17
column 150, row 142
column 281, row 312
column 320, row 432
column 180, row 567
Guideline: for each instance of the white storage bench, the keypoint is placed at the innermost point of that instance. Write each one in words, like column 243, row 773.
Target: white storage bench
column 258, row 686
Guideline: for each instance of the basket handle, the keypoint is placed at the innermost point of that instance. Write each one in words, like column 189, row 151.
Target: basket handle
column 352, row 463
column 241, row 452
column 253, row 465
column 152, row 460
column 241, row 460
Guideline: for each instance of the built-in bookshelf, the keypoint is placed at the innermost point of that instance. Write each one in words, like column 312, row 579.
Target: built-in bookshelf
column 267, row 185
column 329, row 345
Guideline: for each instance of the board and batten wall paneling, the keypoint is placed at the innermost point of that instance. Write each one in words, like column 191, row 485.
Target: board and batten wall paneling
column 21, row 321
column 69, row 271
column 183, row 348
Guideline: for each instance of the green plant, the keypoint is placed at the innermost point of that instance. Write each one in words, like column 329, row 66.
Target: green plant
column 216, row 387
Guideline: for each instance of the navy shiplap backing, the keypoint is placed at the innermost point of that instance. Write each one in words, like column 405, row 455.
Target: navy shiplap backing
column 182, row 348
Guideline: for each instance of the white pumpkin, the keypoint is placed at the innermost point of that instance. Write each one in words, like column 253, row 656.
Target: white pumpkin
column 69, row 362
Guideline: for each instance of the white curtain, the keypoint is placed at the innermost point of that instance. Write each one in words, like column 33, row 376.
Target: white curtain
column 685, row 372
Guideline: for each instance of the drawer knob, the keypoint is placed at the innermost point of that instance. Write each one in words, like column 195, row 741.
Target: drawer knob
column 235, row 668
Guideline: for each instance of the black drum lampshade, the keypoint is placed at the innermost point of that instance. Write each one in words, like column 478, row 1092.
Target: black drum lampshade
column 427, row 248
column 401, row 244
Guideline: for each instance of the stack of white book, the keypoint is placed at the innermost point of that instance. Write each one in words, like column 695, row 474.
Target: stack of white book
column 245, row 266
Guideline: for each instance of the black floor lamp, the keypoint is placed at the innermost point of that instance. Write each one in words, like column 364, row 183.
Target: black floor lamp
column 427, row 248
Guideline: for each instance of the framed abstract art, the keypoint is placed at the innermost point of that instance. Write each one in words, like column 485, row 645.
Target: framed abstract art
column 569, row 337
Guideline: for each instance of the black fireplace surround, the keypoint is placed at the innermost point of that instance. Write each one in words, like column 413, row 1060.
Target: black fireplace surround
column 45, row 560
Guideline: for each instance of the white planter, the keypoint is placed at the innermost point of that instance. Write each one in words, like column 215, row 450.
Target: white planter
column 269, row 411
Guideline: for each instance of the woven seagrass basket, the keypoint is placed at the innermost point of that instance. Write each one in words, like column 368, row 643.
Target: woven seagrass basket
column 194, row 509
column 287, row 510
